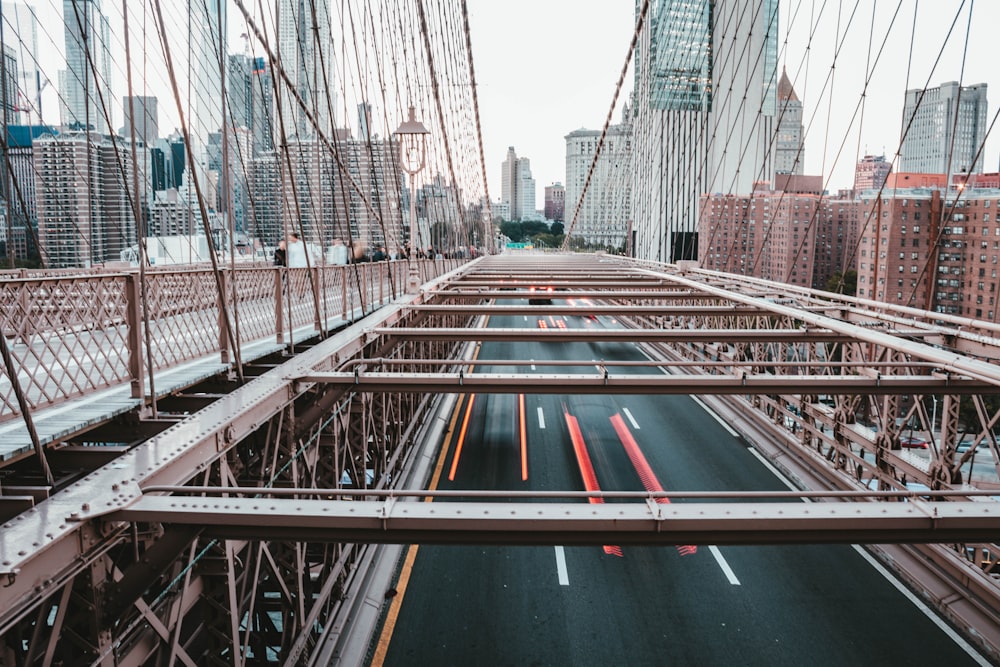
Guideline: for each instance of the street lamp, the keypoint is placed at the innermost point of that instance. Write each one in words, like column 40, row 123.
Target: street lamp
column 412, row 158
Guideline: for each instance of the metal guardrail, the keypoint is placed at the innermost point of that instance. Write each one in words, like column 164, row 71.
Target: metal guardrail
column 77, row 332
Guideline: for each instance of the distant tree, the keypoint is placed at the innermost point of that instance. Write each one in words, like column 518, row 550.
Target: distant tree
column 531, row 227
column 548, row 240
column 843, row 283
column 557, row 228
column 512, row 230
column 968, row 416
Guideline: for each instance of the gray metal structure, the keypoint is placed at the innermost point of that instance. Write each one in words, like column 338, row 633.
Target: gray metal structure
column 241, row 532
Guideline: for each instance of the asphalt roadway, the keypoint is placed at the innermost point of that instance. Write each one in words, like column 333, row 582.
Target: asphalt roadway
column 507, row 605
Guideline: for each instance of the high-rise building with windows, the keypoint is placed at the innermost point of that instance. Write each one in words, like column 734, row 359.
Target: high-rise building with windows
column 509, row 183
column 944, row 129
column 703, row 114
column 789, row 231
column 365, row 121
column 147, row 124
column 555, row 202
column 305, row 49
column 20, row 33
column 250, row 95
column 207, row 24
column 871, row 172
column 789, row 145
column 85, row 215
column 86, row 100
column 357, row 196
column 517, row 186
column 8, row 93
column 264, row 207
column 600, row 214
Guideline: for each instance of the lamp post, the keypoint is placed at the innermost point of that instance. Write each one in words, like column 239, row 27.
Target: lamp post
column 412, row 158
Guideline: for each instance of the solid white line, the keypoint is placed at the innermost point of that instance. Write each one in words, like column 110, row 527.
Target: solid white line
column 928, row 612
column 871, row 560
column 541, row 418
column 631, row 419
column 777, row 473
column 726, row 570
column 716, row 417
column 561, row 566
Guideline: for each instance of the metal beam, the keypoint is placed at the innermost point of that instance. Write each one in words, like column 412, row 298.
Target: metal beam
column 607, row 383
column 588, row 309
column 651, row 523
column 653, row 292
column 783, row 336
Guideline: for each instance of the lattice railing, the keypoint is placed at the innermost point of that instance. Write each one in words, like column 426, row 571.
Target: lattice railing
column 70, row 334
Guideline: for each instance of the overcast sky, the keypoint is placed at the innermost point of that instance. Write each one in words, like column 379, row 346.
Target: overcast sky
column 545, row 68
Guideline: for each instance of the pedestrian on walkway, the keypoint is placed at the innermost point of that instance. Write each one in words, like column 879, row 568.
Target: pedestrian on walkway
column 296, row 252
column 280, row 256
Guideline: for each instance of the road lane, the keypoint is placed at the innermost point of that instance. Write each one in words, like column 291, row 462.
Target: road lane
column 821, row 605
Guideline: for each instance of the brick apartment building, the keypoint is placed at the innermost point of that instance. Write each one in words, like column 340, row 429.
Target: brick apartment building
column 934, row 248
column 791, row 233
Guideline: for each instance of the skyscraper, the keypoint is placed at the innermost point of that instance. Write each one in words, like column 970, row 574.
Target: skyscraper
column 20, row 32
column 517, row 187
column 944, row 129
column 525, row 190
column 208, row 27
column 788, row 144
column 364, row 121
column 147, row 127
column 251, row 99
column 8, row 95
column 84, row 211
column 509, row 182
column 306, row 52
column 871, row 172
column 703, row 114
column 602, row 217
column 86, row 82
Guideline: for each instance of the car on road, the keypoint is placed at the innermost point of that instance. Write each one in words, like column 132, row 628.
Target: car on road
column 913, row 442
column 540, row 296
column 966, row 444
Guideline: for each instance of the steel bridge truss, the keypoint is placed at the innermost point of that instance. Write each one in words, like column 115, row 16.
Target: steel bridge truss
column 240, row 535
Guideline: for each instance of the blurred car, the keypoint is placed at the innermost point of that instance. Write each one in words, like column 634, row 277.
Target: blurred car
column 966, row 444
column 540, row 296
column 913, row 442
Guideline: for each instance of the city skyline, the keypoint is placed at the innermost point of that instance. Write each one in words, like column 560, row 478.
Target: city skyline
column 572, row 89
